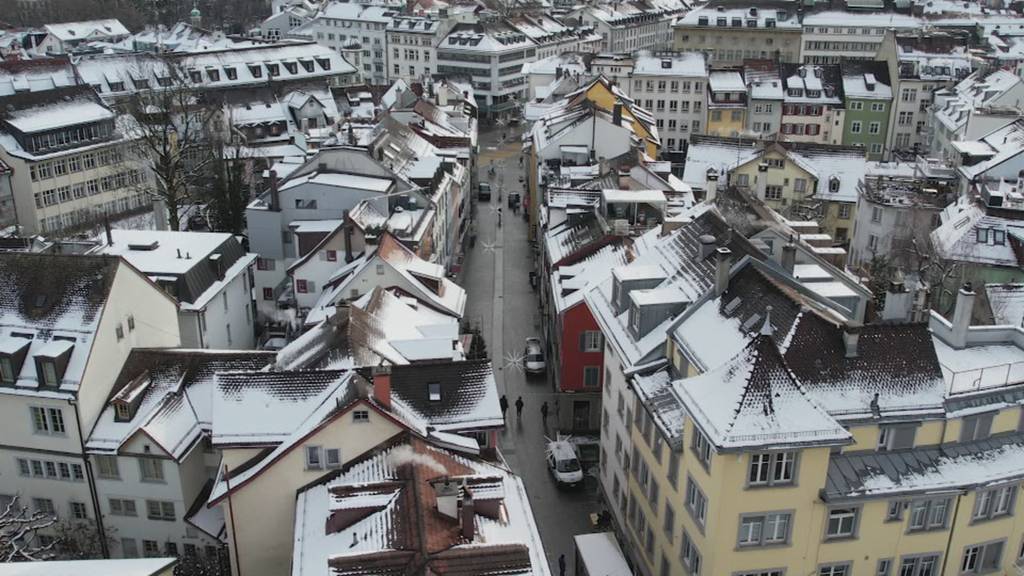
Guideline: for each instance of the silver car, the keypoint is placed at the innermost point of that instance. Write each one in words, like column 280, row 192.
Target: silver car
column 534, row 360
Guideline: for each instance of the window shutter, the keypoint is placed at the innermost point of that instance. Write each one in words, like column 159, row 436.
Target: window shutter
column 583, row 341
column 984, row 426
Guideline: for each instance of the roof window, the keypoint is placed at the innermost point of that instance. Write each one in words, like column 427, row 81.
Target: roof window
column 13, row 351
column 434, row 391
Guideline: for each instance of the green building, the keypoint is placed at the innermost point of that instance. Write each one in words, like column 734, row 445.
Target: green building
column 867, row 99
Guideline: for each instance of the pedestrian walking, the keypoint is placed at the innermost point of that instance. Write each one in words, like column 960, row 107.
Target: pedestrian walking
column 520, row 160
column 561, row 565
column 544, row 411
column 504, row 405
column 519, row 407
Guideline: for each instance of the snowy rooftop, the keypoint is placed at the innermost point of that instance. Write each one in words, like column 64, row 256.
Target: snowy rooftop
column 1007, row 303
column 971, row 235
column 726, row 82
column 58, row 115
column 690, row 64
column 352, row 181
column 754, row 400
column 89, row 29
column 994, row 148
column 163, row 251
column 709, row 16
column 858, row 19
column 570, row 283
column 394, row 488
column 172, row 391
column 974, row 92
column 865, row 86
column 722, row 154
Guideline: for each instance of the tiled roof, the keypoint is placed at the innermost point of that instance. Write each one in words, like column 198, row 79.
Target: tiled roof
column 469, row 396
column 565, row 240
column 754, row 400
column 942, row 468
column 379, row 516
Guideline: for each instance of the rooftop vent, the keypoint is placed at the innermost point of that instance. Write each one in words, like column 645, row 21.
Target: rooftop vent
column 144, row 247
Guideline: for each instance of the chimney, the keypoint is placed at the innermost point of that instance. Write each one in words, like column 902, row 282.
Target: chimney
column 707, row 245
column 446, row 494
column 617, row 113
column 275, row 198
column 712, row 185
column 602, row 166
column 851, row 334
column 467, row 516
column 962, row 316
column 789, row 257
column 106, row 228
column 762, row 180
column 898, row 301
column 722, row 264
column 382, row 385
column 347, row 231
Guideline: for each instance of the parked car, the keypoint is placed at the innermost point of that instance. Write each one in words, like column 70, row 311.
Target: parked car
column 534, row 360
column 563, row 463
column 483, row 191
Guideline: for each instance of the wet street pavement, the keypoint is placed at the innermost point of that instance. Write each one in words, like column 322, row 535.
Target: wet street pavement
column 505, row 307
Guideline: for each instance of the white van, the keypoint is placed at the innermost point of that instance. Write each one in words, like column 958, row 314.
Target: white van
column 563, row 463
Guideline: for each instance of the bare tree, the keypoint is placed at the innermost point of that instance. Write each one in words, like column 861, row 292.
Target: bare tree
column 228, row 192
column 19, row 533
column 81, row 540
column 172, row 124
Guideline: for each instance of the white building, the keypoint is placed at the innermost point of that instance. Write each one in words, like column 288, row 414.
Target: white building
column 765, row 96
column 411, row 42
column 65, row 37
column 279, row 24
column 70, row 160
column 491, row 55
column 630, row 26
column 67, row 324
column 151, row 452
column 553, row 38
column 672, row 88
column 285, row 221
column 356, row 26
column 974, row 107
column 208, row 273
column 829, row 37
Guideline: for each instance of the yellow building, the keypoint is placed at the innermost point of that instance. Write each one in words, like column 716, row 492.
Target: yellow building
column 727, row 103
column 785, row 440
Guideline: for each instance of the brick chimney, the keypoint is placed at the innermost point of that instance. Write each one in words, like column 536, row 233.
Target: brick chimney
column 382, row 385
column 723, row 263
column 467, row 516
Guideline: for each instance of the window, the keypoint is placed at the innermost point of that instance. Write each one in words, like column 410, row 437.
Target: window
column 876, row 214
column 874, row 127
column 591, row 376
column 884, row 567
column 896, row 437
column 696, row 502
column 47, row 420
column 894, row 511
column 160, row 510
column 44, row 506
column 772, row 469
column 106, row 467
column 764, row 529
column 79, row 511
column 855, row 127
column 926, row 565
column 268, row 293
column 976, row 427
column 265, row 264
column 151, row 469
column 689, row 555
column 150, row 549
column 844, row 211
column 701, row 448
column 332, row 457
column 434, row 391
column 129, row 548
column 669, row 521
column 360, row 415
column 313, row 460
column 834, row 570
column 331, row 255
column 982, row 558
column 842, row 523
column 772, row 192
column 994, row 503
column 301, row 286
column 122, row 507
column 673, row 468
column 590, row 341
column 928, row 514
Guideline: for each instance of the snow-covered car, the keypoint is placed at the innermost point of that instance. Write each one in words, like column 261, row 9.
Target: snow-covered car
column 534, row 356
column 563, row 463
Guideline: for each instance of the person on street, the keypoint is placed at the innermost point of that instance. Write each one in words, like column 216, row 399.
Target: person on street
column 544, row 411
column 504, row 406
column 561, row 565
column 519, row 407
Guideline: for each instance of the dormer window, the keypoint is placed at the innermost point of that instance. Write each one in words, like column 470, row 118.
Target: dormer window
column 163, row 81
column 981, row 234
column 52, row 361
column 214, row 75
column 273, row 70
column 13, row 351
column 231, row 73
column 814, row 93
column 122, row 412
column 634, row 318
column 196, row 76
column 434, row 389
column 324, row 63
column 833, row 185
column 291, row 67
column 307, row 65
column 796, row 92
column 999, row 237
column 256, row 70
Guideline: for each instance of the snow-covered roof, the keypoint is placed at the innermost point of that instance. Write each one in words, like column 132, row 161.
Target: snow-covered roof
column 35, row 75
column 865, row 86
column 832, row 163
column 980, row 367
column 722, row 154
column 163, row 251
column 53, row 298
column 570, row 283
column 118, row 567
column 352, row 181
column 726, row 81
column 689, row 64
column 994, row 149
column 356, row 12
column 172, row 394
column 493, row 37
column 51, row 116
column 89, row 29
column 763, row 81
column 862, row 20
column 396, row 492
column 265, row 408
column 709, row 16
column 973, row 236
column 754, row 400
column 974, row 92
column 667, row 412
column 1007, row 303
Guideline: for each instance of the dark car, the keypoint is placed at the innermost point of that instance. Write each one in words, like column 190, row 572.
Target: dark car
column 483, row 191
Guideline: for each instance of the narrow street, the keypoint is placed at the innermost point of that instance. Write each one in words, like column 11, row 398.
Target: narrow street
column 502, row 303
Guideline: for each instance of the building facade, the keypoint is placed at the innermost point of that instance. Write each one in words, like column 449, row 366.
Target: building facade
column 672, row 88
column 731, row 35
